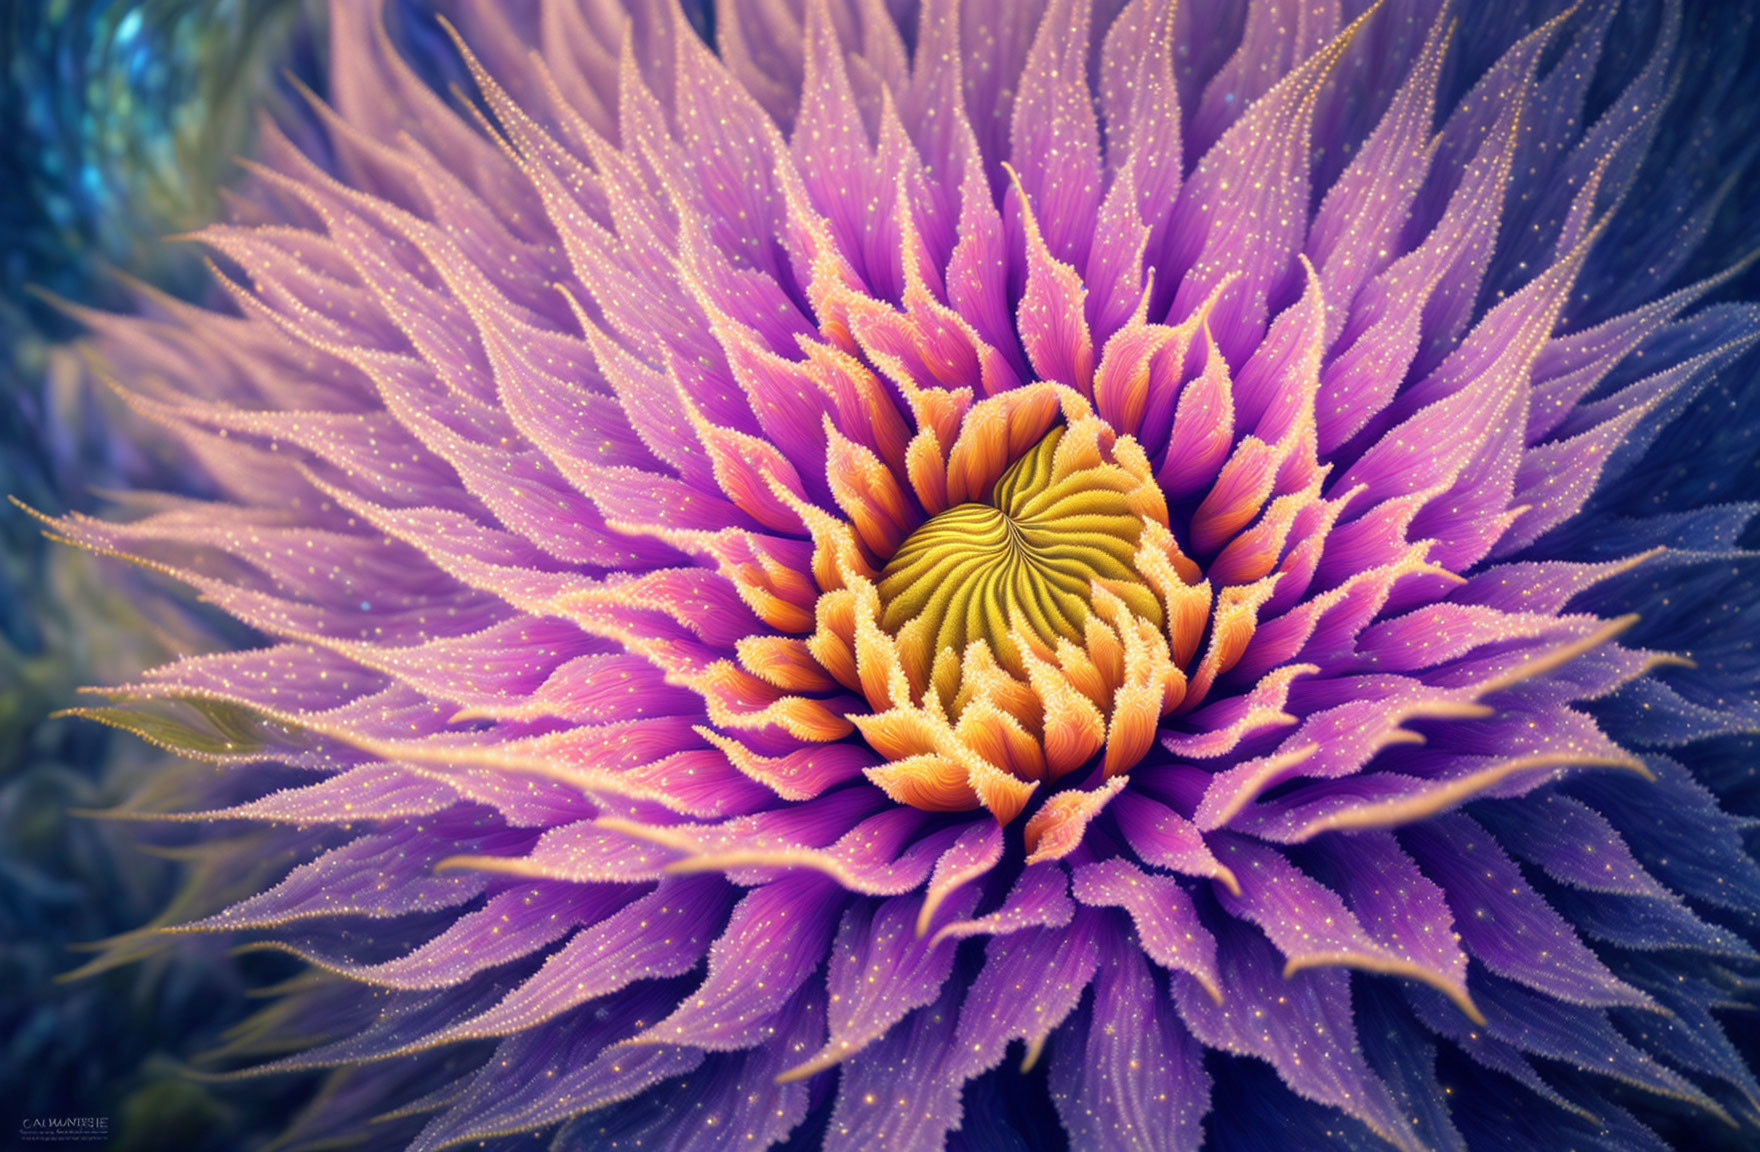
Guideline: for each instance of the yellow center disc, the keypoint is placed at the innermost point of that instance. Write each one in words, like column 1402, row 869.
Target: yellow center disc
column 1022, row 563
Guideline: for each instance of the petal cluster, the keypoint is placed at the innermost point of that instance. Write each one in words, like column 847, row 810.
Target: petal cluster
column 787, row 567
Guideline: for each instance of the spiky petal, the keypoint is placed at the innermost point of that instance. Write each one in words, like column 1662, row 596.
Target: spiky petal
column 792, row 569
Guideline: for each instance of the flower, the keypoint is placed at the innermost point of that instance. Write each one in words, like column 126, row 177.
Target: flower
column 785, row 570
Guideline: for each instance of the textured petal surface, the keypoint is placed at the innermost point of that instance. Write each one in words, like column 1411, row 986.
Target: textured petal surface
column 972, row 575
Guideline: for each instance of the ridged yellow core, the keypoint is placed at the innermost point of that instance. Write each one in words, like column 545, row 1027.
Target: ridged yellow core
column 1021, row 565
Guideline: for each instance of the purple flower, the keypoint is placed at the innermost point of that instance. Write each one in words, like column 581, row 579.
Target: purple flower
column 787, row 569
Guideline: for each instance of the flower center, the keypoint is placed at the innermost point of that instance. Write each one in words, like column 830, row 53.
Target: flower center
column 1019, row 569
column 1038, row 624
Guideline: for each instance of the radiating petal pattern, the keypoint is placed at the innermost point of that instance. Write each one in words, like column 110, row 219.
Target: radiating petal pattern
column 786, row 566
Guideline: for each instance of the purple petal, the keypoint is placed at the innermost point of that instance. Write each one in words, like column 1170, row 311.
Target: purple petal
column 1125, row 1073
column 1504, row 924
column 773, row 943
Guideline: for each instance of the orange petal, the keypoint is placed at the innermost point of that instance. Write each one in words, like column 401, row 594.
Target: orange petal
column 1073, row 728
column 1000, row 739
column 928, row 781
column 1055, row 830
column 1237, row 617
column 927, row 470
column 899, row 734
column 784, row 661
column 1136, row 713
column 868, row 494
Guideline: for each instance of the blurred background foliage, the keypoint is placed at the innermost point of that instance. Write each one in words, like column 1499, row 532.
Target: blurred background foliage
column 121, row 121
